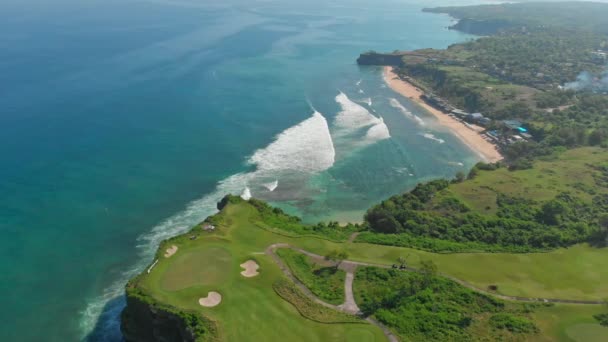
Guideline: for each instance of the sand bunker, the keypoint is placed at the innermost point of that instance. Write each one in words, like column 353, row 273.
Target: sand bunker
column 170, row 251
column 212, row 299
column 251, row 269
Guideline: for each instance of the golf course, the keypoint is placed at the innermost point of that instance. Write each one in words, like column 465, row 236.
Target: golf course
column 210, row 265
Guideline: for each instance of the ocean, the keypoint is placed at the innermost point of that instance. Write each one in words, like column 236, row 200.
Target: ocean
column 124, row 122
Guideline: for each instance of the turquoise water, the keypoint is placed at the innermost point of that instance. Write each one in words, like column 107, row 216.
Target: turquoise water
column 123, row 122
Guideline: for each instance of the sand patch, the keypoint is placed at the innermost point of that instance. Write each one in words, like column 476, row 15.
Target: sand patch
column 213, row 299
column 170, row 251
column 465, row 132
column 251, row 269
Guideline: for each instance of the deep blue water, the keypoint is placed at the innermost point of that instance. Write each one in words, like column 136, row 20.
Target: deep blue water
column 123, row 122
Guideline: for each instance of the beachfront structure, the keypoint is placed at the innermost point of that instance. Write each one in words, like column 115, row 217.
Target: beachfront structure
column 459, row 113
column 515, row 125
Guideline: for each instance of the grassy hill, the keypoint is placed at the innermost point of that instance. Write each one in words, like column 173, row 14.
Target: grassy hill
column 254, row 308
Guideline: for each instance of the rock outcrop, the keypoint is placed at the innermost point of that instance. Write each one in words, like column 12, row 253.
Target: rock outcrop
column 374, row 58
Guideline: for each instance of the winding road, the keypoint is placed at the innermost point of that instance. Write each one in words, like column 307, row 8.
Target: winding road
column 350, row 305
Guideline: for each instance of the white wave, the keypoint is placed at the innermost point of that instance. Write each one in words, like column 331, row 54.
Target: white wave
column 453, row 163
column 307, row 147
column 433, row 137
column 369, row 101
column 271, row 186
column 354, row 117
column 304, row 147
column 359, row 82
column 378, row 132
column 246, row 195
column 361, row 91
column 396, row 104
column 147, row 244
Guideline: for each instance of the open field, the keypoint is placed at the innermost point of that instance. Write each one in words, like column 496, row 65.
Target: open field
column 570, row 323
column 256, row 312
column 570, row 172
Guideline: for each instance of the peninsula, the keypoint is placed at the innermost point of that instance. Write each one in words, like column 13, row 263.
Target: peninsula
column 512, row 251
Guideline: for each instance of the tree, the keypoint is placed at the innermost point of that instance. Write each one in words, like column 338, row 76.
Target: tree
column 428, row 267
column 460, row 177
column 428, row 270
column 336, row 256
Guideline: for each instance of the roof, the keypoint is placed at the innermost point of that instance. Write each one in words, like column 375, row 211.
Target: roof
column 513, row 124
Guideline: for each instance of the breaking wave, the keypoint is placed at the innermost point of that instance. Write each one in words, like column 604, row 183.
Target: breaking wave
column 271, row 186
column 433, row 137
column 396, row 104
column 305, row 147
column 354, row 117
column 246, row 195
column 378, row 132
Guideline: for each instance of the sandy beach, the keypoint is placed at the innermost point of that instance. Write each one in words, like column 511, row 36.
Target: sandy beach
column 470, row 137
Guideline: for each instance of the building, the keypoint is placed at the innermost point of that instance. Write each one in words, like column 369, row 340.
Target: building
column 474, row 118
column 515, row 125
column 485, row 122
column 459, row 113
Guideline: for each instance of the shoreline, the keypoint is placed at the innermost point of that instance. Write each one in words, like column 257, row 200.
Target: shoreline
column 471, row 138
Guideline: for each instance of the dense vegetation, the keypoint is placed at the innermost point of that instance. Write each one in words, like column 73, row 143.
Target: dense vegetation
column 276, row 220
column 590, row 16
column 326, row 282
column 287, row 290
column 424, row 307
column 545, row 66
column 519, row 224
column 602, row 319
column 468, row 216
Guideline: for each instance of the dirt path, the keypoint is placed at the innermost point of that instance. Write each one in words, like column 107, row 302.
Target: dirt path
column 467, row 285
column 352, row 237
column 350, row 305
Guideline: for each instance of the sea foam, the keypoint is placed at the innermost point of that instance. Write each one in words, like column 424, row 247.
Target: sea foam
column 271, row 186
column 396, row 104
column 431, row 136
column 305, row 147
column 354, row 117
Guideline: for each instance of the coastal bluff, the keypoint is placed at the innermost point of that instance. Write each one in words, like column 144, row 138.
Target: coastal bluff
column 382, row 59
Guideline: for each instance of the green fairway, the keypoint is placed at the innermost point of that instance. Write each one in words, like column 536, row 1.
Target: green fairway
column 573, row 273
column 252, row 311
column 198, row 266
column 570, row 323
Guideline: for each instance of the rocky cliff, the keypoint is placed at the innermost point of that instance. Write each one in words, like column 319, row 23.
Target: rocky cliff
column 482, row 27
column 146, row 321
column 374, row 58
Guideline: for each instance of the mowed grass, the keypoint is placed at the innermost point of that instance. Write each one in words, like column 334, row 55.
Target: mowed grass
column 250, row 309
column 198, row 266
column 570, row 323
column 570, row 172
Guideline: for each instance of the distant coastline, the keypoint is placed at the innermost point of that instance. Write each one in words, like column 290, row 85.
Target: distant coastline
column 470, row 137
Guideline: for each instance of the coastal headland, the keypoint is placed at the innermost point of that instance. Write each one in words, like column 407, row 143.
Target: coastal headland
column 465, row 132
